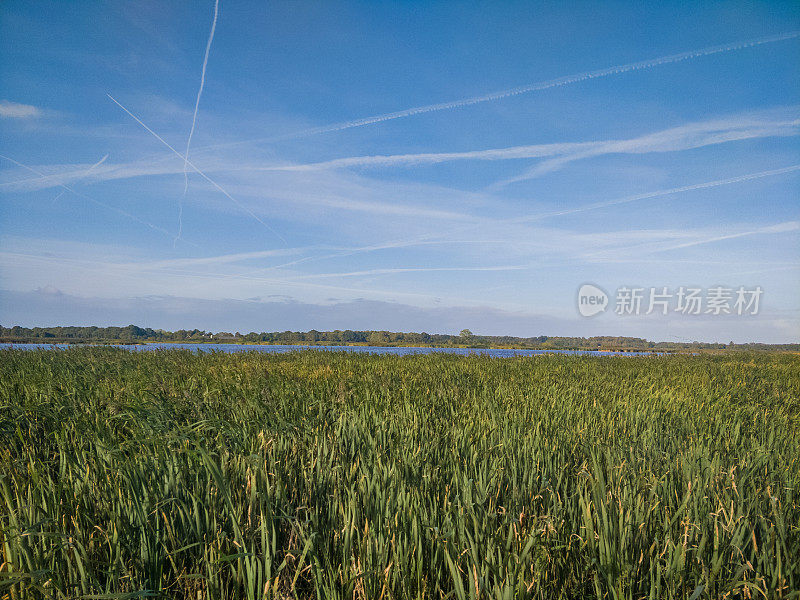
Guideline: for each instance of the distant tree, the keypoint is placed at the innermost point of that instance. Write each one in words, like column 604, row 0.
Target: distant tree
column 378, row 338
column 465, row 337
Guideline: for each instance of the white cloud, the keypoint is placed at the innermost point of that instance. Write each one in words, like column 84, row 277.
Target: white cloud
column 75, row 269
column 687, row 137
column 695, row 237
column 684, row 137
column 176, row 312
column 15, row 110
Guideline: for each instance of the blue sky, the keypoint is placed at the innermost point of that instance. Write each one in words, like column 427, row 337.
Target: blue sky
column 641, row 145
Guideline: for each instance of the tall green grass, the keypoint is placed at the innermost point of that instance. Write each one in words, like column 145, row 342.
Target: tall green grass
column 333, row 475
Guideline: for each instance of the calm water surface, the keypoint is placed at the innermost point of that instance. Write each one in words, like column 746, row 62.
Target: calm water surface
column 359, row 349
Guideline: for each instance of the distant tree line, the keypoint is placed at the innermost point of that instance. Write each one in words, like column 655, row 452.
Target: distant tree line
column 134, row 334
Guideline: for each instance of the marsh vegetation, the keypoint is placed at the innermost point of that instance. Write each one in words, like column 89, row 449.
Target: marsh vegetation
column 333, row 475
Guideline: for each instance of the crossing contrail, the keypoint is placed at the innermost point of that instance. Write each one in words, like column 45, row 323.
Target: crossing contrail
column 194, row 121
column 103, row 204
column 525, row 89
column 197, row 170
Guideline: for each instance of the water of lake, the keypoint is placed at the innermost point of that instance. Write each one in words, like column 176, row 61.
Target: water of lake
column 359, row 349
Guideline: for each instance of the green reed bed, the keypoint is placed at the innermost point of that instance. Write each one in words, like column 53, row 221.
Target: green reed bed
column 334, row 475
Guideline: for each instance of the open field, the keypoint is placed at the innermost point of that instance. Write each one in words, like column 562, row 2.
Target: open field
column 333, row 475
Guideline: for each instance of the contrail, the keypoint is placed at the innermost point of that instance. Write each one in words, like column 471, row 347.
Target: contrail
column 534, row 87
column 492, row 154
column 52, row 176
column 656, row 194
column 198, row 171
column 194, row 120
column 94, row 166
column 657, row 143
column 426, row 239
column 785, row 227
column 61, row 193
column 103, row 204
column 684, row 137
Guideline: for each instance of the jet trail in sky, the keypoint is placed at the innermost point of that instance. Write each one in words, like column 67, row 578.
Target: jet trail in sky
column 525, row 89
column 197, row 170
column 429, row 238
column 80, row 195
column 194, row 121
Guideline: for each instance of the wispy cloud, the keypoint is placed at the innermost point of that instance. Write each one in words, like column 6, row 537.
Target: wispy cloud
column 76, row 269
column 688, row 137
column 179, row 312
column 288, row 186
column 89, row 198
column 284, row 190
column 439, row 236
column 778, row 228
column 515, row 152
column 658, row 194
column 89, row 275
column 225, row 258
column 696, row 237
column 685, row 137
column 49, row 176
column 15, row 110
column 394, row 271
column 534, row 87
